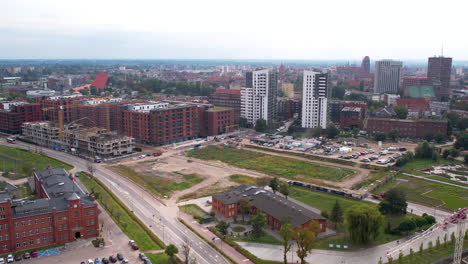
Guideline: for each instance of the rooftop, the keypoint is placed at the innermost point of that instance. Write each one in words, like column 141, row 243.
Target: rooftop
column 351, row 109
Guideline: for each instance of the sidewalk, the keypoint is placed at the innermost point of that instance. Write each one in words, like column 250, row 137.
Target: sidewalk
column 218, row 243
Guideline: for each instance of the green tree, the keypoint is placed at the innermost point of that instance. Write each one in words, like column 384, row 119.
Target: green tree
column 420, row 221
column 424, row 151
column 243, row 207
column 364, row 223
column 401, row 112
column 332, row 131
column 430, row 219
column 84, row 91
column 284, row 190
column 462, row 141
column 379, row 136
column 336, row 216
column 438, row 243
column 452, row 238
column 274, row 184
column 396, row 202
column 94, row 90
column 261, row 125
column 435, row 156
column 421, row 248
column 338, row 92
column 445, row 240
column 407, row 225
column 465, row 159
column 429, row 136
column 454, row 153
column 223, row 227
column 393, row 134
column 243, row 122
column 445, row 153
column 305, row 239
column 411, row 254
column 400, row 258
column 171, row 250
column 286, row 233
column 439, row 138
column 258, row 222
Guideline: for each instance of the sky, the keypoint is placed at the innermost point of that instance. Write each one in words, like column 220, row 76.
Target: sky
column 240, row 29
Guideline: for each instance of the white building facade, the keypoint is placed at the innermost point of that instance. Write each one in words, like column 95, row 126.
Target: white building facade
column 387, row 76
column 258, row 98
column 315, row 94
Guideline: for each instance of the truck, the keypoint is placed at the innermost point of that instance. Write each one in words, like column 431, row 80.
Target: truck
column 157, row 153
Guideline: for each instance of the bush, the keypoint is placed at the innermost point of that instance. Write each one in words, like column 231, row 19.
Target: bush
column 424, row 151
column 407, row 225
column 430, row 219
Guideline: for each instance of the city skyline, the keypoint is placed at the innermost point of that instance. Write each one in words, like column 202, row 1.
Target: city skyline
column 206, row 30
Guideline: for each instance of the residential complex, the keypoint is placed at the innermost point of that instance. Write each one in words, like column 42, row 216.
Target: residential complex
column 258, row 97
column 13, row 114
column 61, row 213
column 227, row 98
column 277, row 208
column 407, row 128
column 387, row 76
column 315, row 94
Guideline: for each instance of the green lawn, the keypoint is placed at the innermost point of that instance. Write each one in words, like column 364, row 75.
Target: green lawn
column 120, row 215
column 26, row 159
column 273, row 165
column 421, row 163
column 156, row 185
column 325, row 202
column 193, row 209
column 243, row 179
column 429, row 193
column 160, row 258
column 265, row 239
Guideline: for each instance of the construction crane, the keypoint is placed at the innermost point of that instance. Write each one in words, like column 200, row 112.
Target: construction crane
column 458, row 218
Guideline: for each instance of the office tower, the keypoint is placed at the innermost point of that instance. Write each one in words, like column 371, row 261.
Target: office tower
column 315, row 95
column 365, row 65
column 387, row 76
column 258, row 97
column 438, row 72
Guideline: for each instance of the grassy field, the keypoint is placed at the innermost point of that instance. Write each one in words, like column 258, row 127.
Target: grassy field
column 193, row 209
column 325, row 202
column 429, row 193
column 430, row 256
column 160, row 258
column 265, row 239
column 421, row 163
column 120, row 215
column 26, row 159
column 440, row 178
column 272, row 165
column 243, row 179
column 158, row 186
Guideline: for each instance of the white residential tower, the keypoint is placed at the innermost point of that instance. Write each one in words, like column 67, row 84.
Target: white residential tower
column 315, row 95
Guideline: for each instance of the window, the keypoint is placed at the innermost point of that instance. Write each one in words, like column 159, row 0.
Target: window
column 43, row 219
column 77, row 224
column 30, row 232
column 44, row 239
column 65, row 226
column 1, row 238
column 5, row 247
column 25, row 243
column 37, row 230
column 44, row 230
column 31, row 242
column 5, row 226
column 16, row 224
column 38, row 241
column 50, row 218
column 60, row 227
column 24, row 234
column 17, row 235
column 76, row 214
column 29, row 222
column 18, row 244
column 2, row 209
column 92, row 221
column 36, row 221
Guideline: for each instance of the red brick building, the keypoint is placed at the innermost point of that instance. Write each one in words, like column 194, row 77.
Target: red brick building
column 414, row 104
column 227, row 98
column 407, row 128
column 13, row 116
column 351, row 117
column 215, row 120
column 61, row 213
column 337, row 105
column 288, row 108
column 276, row 208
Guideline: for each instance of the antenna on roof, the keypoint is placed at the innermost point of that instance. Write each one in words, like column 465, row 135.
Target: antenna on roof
column 442, row 51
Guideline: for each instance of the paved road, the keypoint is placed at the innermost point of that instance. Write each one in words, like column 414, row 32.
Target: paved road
column 163, row 220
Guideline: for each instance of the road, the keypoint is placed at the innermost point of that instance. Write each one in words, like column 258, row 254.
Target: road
column 162, row 219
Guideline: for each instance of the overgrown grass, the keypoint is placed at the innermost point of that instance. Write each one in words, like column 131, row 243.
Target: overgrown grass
column 429, row 193
column 157, row 186
column 325, row 202
column 193, row 210
column 26, row 159
column 119, row 214
column 411, row 167
column 243, row 179
column 272, row 165
column 24, row 191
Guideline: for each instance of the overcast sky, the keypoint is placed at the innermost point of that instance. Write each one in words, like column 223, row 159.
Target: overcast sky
column 237, row 29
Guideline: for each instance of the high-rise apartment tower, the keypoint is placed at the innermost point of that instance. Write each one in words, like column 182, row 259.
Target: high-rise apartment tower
column 315, row 94
column 387, row 76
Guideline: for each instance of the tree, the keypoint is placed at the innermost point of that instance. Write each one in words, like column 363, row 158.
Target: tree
column 465, row 159
column 421, row 247
column 171, row 250
column 243, row 122
column 393, row 134
column 336, row 215
column 243, row 207
column 305, row 239
column 439, row 138
column 430, row 219
column 454, row 153
column 401, row 112
column 261, row 125
column 407, row 225
column 284, row 190
column 364, row 223
column 286, row 233
column 223, row 227
column 379, row 136
column 94, row 90
column 420, row 221
column 411, row 254
column 424, row 151
column 84, row 91
column 274, row 184
column 332, row 131
column 462, row 141
column 429, row 136
column 258, row 222
column 445, row 153
column 435, row 156
column 394, row 202
column 338, row 92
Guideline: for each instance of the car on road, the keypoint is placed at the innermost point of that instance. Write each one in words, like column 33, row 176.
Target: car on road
column 120, row 256
column 9, row 259
column 26, row 255
column 112, row 259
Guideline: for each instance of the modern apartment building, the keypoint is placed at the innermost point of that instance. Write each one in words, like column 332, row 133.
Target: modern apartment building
column 315, row 96
column 438, row 71
column 14, row 114
column 61, row 213
column 387, row 76
column 227, row 98
column 258, row 97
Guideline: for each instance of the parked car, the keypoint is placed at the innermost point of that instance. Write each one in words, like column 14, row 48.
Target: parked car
column 26, row 255
column 120, row 256
column 18, row 257
column 125, row 261
column 105, row 261
column 365, row 160
column 112, row 259
column 90, row 261
column 382, row 161
column 82, row 262
column 97, row 261
column 10, row 259
column 34, row 254
column 2, row 261
column 371, row 151
column 133, row 245
column 142, row 256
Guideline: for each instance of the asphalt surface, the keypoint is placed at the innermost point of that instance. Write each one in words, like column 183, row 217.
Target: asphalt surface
column 162, row 220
